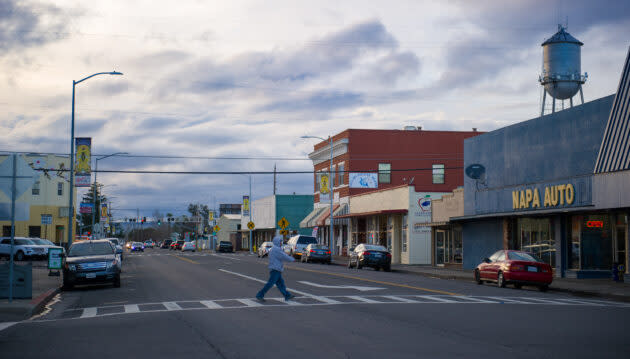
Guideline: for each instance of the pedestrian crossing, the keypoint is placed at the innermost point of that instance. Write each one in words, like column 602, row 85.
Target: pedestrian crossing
column 313, row 300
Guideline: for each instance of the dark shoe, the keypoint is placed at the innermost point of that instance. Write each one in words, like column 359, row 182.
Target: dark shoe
column 289, row 297
column 260, row 299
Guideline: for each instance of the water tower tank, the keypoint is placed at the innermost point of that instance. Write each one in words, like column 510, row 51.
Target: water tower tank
column 562, row 65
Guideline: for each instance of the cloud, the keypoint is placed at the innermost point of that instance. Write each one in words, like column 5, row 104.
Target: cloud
column 25, row 24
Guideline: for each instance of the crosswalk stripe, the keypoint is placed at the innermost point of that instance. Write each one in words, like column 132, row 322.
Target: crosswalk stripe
column 171, row 306
column 210, row 304
column 6, row 325
column 399, row 299
column 546, row 301
column 582, row 302
column 324, row 299
column 508, row 300
column 363, row 299
column 288, row 302
column 131, row 308
column 437, row 299
column 88, row 313
column 249, row 303
column 476, row 300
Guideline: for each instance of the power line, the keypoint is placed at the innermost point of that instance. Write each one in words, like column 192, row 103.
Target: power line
column 249, row 172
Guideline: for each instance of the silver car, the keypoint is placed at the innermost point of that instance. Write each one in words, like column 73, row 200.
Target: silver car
column 264, row 249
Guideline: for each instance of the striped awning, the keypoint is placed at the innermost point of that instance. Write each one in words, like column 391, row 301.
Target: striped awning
column 309, row 220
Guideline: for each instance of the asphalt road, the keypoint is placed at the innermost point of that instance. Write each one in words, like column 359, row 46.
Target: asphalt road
column 194, row 305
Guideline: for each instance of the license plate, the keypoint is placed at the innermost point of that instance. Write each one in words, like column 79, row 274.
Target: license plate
column 532, row 269
column 90, row 275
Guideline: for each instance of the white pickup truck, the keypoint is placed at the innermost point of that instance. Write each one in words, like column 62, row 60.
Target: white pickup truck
column 22, row 248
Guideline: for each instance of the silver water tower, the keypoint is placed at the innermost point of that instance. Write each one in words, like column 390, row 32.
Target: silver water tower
column 561, row 75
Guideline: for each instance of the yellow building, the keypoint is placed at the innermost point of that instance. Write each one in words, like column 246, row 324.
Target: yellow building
column 41, row 210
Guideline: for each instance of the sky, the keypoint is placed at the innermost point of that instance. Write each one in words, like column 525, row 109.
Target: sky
column 232, row 86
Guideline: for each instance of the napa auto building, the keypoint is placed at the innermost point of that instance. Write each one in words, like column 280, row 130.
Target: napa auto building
column 557, row 185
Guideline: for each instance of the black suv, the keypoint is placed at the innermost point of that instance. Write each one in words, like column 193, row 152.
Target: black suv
column 225, row 246
column 91, row 262
column 166, row 244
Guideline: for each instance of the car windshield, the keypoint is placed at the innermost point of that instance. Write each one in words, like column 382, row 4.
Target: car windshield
column 375, row 248
column 136, row 244
column 523, row 256
column 307, row 240
column 115, row 241
column 24, row 242
column 90, row 249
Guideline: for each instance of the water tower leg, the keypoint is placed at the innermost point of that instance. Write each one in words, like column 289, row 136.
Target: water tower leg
column 553, row 105
column 542, row 110
column 581, row 95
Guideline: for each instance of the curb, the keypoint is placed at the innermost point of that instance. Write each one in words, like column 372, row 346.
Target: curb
column 40, row 302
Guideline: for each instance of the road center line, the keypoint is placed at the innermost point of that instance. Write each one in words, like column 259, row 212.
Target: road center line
column 186, row 259
column 378, row 281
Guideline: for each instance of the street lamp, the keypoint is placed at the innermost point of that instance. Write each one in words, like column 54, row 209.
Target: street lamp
column 70, row 204
column 94, row 190
column 330, row 183
column 251, row 213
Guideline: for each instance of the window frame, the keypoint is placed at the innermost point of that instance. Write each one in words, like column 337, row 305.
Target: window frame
column 341, row 167
column 59, row 188
column 382, row 173
column 36, row 188
column 435, row 171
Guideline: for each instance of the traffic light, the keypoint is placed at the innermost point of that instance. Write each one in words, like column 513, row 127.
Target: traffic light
column 159, row 222
column 144, row 219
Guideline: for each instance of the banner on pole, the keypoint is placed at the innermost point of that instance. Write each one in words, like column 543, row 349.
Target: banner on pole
column 103, row 212
column 82, row 168
column 246, row 206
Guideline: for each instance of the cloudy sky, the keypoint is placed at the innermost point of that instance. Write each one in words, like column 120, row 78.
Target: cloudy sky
column 232, row 85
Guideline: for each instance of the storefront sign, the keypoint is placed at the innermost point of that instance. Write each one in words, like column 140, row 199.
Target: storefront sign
column 553, row 196
column 595, row 224
column 363, row 180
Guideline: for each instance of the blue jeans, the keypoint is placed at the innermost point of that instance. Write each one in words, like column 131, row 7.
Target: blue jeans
column 275, row 277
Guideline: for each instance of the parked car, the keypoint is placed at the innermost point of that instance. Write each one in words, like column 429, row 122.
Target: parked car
column 137, row 246
column 188, row 246
column 93, row 261
column 128, row 245
column 166, row 244
column 514, row 267
column 370, row 255
column 46, row 244
column 316, row 253
column 298, row 243
column 225, row 246
column 149, row 244
column 264, row 249
column 23, row 248
column 177, row 245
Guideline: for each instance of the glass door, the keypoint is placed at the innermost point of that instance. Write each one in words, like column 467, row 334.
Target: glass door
column 439, row 247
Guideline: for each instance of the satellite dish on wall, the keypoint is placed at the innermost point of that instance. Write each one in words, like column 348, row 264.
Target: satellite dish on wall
column 475, row 171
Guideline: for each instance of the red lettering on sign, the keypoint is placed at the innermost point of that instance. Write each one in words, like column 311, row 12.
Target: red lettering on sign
column 595, row 224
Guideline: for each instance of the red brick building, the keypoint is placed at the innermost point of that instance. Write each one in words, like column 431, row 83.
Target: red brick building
column 430, row 161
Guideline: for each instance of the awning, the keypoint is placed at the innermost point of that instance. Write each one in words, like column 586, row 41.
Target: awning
column 309, row 220
column 524, row 213
column 321, row 220
column 341, row 210
column 374, row 213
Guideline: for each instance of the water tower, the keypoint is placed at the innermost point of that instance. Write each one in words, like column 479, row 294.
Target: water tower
column 561, row 76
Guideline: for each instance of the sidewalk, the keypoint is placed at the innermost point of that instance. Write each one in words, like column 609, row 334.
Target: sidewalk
column 44, row 289
column 603, row 288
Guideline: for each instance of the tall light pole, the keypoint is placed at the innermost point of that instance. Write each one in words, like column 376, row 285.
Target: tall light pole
column 251, row 213
column 70, row 204
column 331, row 184
column 94, row 189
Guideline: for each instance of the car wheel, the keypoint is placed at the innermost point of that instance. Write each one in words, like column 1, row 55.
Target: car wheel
column 518, row 285
column 501, row 280
column 67, row 285
column 117, row 282
column 387, row 268
column 19, row 256
column 543, row 288
column 478, row 277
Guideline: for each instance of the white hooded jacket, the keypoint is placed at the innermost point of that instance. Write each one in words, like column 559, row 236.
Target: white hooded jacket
column 277, row 255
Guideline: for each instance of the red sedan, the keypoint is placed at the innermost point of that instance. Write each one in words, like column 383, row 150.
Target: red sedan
column 515, row 267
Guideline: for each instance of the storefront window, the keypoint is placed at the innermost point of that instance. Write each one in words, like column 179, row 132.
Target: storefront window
column 390, row 232
column 573, row 250
column 535, row 237
column 439, row 247
column 456, row 246
column 404, row 233
column 596, row 246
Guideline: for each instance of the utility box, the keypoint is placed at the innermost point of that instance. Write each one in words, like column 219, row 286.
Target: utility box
column 22, row 281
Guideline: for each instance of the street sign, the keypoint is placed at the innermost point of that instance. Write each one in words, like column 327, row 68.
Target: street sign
column 210, row 216
column 283, row 223
column 54, row 258
column 250, row 225
column 284, row 232
column 216, row 228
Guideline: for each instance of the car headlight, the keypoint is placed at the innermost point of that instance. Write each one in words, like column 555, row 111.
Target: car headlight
column 112, row 264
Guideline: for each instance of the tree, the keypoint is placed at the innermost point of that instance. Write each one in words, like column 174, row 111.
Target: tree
column 88, row 197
